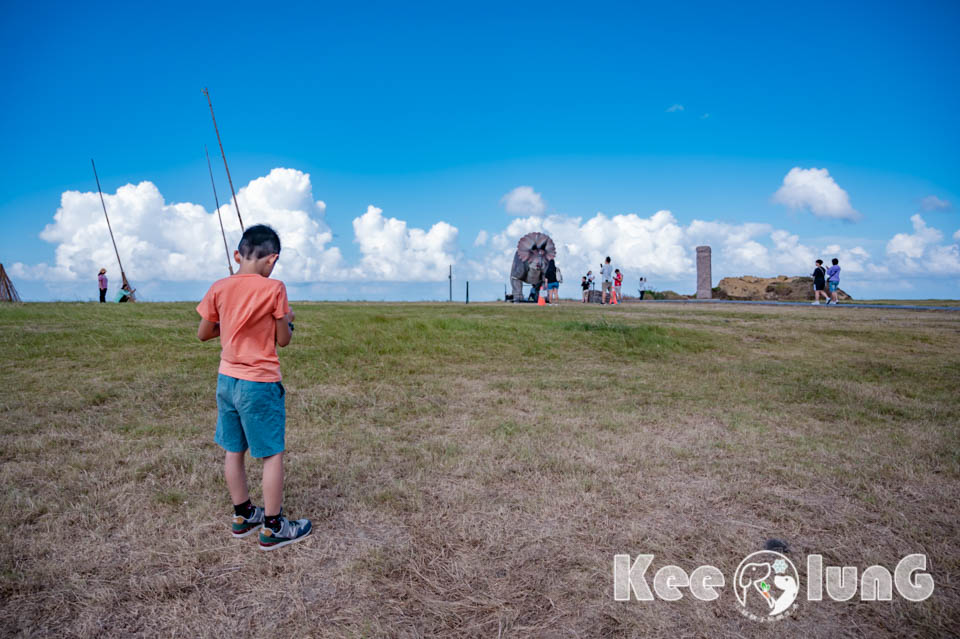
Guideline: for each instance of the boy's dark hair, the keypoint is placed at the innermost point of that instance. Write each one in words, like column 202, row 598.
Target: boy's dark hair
column 835, row 261
column 819, row 261
column 259, row 241
column 608, row 259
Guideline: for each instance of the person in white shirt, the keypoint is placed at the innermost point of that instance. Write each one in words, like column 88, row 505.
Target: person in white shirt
column 606, row 273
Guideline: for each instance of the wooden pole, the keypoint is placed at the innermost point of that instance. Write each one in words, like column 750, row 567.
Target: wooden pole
column 219, row 217
column 123, row 276
column 224, row 155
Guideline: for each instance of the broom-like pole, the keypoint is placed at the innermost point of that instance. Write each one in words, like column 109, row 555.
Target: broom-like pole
column 224, row 155
column 217, row 200
column 123, row 276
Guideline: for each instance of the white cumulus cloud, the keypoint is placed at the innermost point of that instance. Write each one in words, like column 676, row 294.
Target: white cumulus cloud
column 523, row 200
column 161, row 241
column 392, row 251
column 921, row 252
column 182, row 241
column 662, row 249
column 284, row 200
column 652, row 245
column 816, row 190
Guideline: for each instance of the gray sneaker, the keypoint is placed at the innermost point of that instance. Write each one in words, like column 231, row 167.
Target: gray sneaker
column 290, row 532
column 245, row 526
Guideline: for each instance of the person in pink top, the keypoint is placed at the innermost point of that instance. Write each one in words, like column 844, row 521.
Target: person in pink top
column 102, row 281
column 250, row 314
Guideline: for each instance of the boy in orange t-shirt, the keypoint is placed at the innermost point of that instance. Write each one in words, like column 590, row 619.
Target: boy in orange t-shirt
column 250, row 314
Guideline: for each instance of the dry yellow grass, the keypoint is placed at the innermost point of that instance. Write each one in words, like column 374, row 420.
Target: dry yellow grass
column 471, row 471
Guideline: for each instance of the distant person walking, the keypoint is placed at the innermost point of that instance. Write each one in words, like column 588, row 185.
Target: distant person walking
column 585, row 285
column 590, row 279
column 617, row 282
column 820, row 284
column 606, row 274
column 833, row 281
column 102, row 280
column 643, row 287
column 553, row 283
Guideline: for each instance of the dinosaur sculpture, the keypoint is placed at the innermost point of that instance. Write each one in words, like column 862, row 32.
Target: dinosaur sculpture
column 534, row 252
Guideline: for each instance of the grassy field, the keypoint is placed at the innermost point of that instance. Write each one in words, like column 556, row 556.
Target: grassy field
column 472, row 470
column 908, row 302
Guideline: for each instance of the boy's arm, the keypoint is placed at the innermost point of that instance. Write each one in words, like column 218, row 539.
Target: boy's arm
column 209, row 316
column 207, row 330
column 284, row 334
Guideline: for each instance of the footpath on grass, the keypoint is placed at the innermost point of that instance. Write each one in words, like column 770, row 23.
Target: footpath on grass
column 907, row 307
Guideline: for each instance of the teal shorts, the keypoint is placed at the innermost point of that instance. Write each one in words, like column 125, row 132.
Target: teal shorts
column 834, row 286
column 250, row 415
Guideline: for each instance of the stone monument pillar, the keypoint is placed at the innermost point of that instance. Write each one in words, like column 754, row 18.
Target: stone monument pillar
column 704, row 278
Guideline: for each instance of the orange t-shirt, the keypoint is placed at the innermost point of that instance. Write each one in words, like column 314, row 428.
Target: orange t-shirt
column 247, row 306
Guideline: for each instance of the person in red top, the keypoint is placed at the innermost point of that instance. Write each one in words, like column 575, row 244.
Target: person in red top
column 249, row 313
column 617, row 282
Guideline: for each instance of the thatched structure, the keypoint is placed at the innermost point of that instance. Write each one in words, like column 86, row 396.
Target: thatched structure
column 7, row 292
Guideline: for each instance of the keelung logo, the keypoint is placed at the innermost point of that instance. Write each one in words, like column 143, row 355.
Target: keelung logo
column 766, row 584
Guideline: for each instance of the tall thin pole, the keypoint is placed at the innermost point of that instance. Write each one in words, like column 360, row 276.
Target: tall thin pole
column 224, row 155
column 219, row 217
column 123, row 276
column 450, row 277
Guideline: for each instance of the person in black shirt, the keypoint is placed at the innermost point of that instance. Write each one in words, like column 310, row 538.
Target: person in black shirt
column 585, row 285
column 819, row 283
column 553, row 283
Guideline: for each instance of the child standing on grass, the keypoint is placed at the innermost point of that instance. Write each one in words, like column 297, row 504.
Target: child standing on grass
column 250, row 314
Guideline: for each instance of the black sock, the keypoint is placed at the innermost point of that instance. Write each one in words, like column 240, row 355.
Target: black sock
column 243, row 510
column 273, row 522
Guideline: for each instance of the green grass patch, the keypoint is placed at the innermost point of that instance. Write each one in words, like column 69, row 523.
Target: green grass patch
column 447, row 453
column 639, row 338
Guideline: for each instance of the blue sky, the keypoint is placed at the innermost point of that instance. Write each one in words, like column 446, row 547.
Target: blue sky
column 434, row 112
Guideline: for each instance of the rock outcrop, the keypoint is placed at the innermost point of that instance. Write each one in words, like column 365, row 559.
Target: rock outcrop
column 781, row 288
